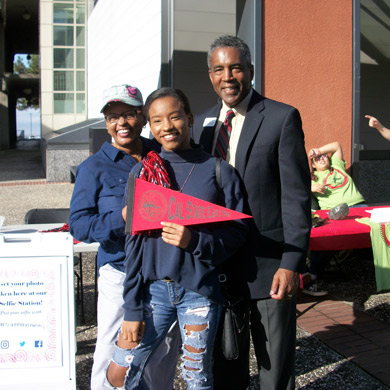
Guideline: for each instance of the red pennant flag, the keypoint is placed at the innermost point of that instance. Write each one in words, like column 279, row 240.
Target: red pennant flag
column 149, row 204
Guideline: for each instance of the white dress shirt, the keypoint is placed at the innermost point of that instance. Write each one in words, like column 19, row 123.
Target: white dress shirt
column 237, row 123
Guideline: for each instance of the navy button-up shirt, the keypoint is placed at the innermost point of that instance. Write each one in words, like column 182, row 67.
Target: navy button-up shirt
column 96, row 204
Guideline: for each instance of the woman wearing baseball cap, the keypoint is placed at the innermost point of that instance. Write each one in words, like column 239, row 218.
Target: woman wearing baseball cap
column 95, row 216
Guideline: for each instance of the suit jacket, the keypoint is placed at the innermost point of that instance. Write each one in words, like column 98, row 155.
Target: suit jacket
column 271, row 160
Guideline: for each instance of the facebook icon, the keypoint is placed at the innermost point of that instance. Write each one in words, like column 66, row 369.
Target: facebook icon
column 38, row 344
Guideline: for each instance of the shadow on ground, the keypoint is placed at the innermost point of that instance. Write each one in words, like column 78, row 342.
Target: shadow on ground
column 22, row 163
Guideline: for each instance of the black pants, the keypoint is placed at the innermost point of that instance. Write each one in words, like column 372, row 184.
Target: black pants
column 273, row 329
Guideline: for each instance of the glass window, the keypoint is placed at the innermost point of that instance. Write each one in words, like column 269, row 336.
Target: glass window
column 80, row 36
column 63, row 13
column 80, row 103
column 80, row 14
column 63, row 35
column 80, row 58
column 63, row 58
column 63, row 81
column 63, row 103
column 80, row 81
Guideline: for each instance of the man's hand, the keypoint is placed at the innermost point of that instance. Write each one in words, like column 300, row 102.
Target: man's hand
column 132, row 331
column 373, row 122
column 284, row 284
column 175, row 234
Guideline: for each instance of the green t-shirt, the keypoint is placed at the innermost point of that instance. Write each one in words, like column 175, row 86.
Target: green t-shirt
column 340, row 187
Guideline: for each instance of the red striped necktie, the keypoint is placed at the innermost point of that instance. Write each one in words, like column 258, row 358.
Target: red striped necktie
column 225, row 130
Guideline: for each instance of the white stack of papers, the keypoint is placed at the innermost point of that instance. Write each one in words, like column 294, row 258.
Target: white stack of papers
column 380, row 215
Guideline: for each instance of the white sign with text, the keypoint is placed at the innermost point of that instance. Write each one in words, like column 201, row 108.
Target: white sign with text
column 37, row 324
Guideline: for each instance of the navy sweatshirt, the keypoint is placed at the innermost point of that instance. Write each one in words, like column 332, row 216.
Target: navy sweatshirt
column 96, row 205
column 149, row 258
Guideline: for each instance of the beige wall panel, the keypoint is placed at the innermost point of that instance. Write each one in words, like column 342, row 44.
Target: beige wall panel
column 46, row 80
column 46, row 103
column 81, row 117
column 46, row 35
column 47, row 86
column 219, row 6
column 205, row 22
column 60, row 121
column 46, row 58
column 198, row 41
column 196, row 25
column 47, row 125
column 46, row 12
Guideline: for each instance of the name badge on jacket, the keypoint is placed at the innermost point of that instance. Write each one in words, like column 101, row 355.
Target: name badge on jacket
column 209, row 122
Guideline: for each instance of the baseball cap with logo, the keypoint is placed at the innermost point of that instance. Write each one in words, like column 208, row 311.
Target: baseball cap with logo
column 124, row 93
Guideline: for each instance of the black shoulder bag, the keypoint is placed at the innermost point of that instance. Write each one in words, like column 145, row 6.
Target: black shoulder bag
column 234, row 315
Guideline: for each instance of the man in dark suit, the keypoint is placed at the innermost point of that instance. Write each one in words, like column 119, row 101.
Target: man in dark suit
column 266, row 145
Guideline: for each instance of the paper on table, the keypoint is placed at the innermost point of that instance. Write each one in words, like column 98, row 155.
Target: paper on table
column 2, row 219
column 380, row 215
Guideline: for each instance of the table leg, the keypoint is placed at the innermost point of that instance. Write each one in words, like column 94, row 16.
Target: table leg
column 96, row 285
column 82, row 289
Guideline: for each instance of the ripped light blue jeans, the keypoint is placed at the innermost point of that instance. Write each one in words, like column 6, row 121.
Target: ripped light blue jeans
column 198, row 319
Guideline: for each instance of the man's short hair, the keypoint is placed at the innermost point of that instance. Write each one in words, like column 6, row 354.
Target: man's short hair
column 230, row 41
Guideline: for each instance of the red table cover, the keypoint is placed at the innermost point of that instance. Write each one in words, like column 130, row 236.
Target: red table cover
column 342, row 234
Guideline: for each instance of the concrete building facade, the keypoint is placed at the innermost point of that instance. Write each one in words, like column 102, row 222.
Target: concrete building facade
column 63, row 54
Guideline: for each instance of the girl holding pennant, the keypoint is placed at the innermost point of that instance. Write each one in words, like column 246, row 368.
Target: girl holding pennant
column 171, row 273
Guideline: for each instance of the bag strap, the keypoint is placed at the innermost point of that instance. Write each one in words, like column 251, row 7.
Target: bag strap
column 218, row 172
column 221, row 276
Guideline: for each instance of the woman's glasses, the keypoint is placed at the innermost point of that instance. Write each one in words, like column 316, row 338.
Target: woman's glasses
column 127, row 115
column 318, row 158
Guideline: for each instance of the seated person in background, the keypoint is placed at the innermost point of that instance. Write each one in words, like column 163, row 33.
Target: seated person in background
column 373, row 122
column 330, row 185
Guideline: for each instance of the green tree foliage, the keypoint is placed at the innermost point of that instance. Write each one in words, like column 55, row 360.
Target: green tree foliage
column 19, row 66
column 32, row 67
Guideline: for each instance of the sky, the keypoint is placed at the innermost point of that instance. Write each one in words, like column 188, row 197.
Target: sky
column 28, row 120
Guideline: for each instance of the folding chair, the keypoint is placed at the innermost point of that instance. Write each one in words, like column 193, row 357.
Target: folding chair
column 47, row 216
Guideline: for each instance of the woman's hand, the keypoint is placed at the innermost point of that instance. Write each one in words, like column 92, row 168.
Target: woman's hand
column 124, row 213
column 318, row 187
column 175, row 234
column 314, row 153
column 132, row 330
column 116, row 374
